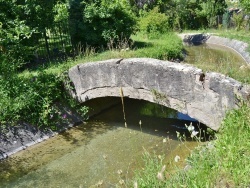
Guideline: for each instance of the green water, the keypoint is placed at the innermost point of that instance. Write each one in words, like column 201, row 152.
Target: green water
column 211, row 53
column 101, row 152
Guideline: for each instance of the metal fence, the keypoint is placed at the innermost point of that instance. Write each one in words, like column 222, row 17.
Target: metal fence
column 55, row 44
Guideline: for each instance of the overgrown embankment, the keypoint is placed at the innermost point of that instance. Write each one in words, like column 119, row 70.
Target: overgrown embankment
column 223, row 162
column 34, row 96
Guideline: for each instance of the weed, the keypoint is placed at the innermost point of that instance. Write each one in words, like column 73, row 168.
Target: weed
column 223, row 162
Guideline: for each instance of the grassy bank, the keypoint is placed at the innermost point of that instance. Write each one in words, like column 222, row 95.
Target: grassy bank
column 30, row 96
column 223, row 162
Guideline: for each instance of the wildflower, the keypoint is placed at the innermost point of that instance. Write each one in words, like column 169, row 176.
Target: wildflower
column 194, row 133
column 64, row 116
column 160, row 175
column 119, row 172
column 51, row 116
column 140, row 122
column 164, row 140
column 190, row 128
column 135, row 184
column 177, row 158
column 121, row 182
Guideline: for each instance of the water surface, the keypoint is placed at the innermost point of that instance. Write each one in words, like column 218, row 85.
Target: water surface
column 211, row 53
column 99, row 152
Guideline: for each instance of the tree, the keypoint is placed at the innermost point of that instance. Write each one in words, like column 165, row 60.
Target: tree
column 23, row 23
column 245, row 5
column 147, row 5
column 210, row 9
column 154, row 23
column 13, row 32
column 100, row 21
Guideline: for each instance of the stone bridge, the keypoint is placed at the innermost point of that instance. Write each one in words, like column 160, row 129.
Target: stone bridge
column 203, row 96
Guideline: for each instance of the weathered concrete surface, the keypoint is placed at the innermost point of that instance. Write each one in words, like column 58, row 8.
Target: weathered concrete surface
column 19, row 137
column 203, row 96
column 238, row 46
column 23, row 135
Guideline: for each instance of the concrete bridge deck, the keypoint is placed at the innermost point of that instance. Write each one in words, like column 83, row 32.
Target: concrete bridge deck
column 203, row 96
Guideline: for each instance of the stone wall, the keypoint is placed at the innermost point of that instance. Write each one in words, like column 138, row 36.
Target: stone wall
column 203, row 96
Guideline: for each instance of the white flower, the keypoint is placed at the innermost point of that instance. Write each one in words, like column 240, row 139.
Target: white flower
column 164, row 140
column 194, row 133
column 119, row 172
column 190, row 128
column 210, row 146
column 177, row 158
column 135, row 184
column 121, row 182
column 160, row 176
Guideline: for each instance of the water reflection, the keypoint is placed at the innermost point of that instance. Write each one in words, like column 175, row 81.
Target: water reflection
column 101, row 151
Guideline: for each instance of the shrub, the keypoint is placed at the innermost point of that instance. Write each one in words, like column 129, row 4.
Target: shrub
column 103, row 21
column 154, row 23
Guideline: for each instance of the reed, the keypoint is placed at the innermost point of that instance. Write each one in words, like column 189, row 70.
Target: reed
column 123, row 109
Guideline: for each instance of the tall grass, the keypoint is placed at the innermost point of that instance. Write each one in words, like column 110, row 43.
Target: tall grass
column 223, row 162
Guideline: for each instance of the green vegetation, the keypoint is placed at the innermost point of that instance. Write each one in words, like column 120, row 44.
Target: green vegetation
column 223, row 162
column 218, row 60
column 242, row 35
column 31, row 88
column 31, row 95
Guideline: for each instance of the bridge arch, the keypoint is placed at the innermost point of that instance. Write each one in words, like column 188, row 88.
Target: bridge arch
column 203, row 96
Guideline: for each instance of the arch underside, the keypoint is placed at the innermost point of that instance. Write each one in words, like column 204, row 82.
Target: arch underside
column 193, row 110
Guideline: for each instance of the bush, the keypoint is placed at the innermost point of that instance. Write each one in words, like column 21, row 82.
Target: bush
column 29, row 99
column 168, row 47
column 154, row 23
column 103, row 21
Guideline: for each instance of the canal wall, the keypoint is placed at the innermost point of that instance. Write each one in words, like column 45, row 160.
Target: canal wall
column 23, row 135
column 238, row 46
column 205, row 97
